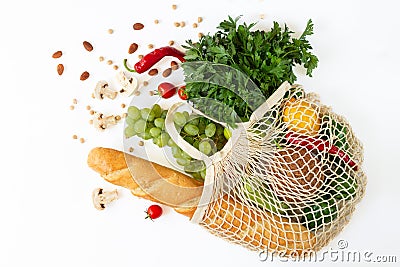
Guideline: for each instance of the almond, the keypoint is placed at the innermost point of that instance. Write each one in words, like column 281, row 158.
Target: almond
column 84, row 75
column 60, row 69
column 153, row 72
column 174, row 65
column 57, row 54
column 132, row 48
column 138, row 26
column 88, row 46
column 167, row 72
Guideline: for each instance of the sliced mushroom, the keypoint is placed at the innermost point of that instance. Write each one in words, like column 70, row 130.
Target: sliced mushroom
column 101, row 198
column 102, row 90
column 101, row 122
column 129, row 84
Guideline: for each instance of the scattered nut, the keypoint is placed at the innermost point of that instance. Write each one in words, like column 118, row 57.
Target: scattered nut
column 137, row 93
column 194, row 25
column 74, row 101
column 109, row 62
column 60, row 69
column 150, row 46
column 92, row 112
column 140, row 56
column 101, row 122
column 183, row 24
column 124, row 115
column 199, row 19
column 138, row 26
column 93, row 96
column 57, row 54
column 174, row 65
column 102, row 90
column 153, row 72
column 167, row 72
column 141, row 143
column 174, row 7
column 90, row 122
column 200, row 34
column 132, row 48
column 88, row 107
column 72, row 107
column 151, row 93
column 88, row 46
column 82, row 140
column 129, row 84
column 101, row 197
column 145, row 83
column 123, row 105
column 84, row 76
column 118, row 117
column 131, row 149
column 171, row 42
column 101, row 58
column 177, row 24
column 110, row 31
column 74, row 136
column 115, row 67
column 156, row 21
column 262, row 16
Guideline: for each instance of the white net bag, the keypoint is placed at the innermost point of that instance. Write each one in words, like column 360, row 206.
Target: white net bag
column 288, row 180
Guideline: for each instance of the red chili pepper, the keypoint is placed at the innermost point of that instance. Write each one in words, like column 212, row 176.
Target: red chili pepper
column 321, row 145
column 155, row 56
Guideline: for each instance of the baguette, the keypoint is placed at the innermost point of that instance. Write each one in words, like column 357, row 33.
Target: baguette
column 226, row 217
column 149, row 180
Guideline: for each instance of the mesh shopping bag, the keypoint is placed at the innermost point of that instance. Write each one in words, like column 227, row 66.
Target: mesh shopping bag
column 288, row 180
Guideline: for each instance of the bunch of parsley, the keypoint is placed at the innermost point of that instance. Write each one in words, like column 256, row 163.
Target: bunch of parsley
column 266, row 57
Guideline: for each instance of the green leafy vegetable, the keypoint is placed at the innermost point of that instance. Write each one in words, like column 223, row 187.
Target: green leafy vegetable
column 266, row 57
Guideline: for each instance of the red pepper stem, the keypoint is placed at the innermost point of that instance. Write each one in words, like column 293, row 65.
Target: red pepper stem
column 126, row 66
column 321, row 145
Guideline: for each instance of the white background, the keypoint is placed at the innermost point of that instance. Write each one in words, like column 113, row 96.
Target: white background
column 47, row 217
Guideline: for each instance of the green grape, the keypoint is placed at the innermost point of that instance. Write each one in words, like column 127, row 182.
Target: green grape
column 196, row 144
column 164, row 137
column 147, row 114
column 155, row 132
column 185, row 155
column 157, row 141
column 129, row 132
column 227, row 133
column 189, row 139
column 164, row 114
column 220, row 130
column 130, row 121
column 202, row 126
column 171, row 143
column 210, row 130
column 179, row 119
column 146, row 135
column 203, row 174
column 182, row 161
column 176, row 152
column 197, row 176
column 194, row 121
column 186, row 114
column 140, row 126
column 194, row 166
column 160, row 123
column 205, row 147
column 191, row 130
column 134, row 113
column 156, row 110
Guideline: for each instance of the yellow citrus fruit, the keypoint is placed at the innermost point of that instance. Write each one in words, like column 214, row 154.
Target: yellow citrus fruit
column 301, row 116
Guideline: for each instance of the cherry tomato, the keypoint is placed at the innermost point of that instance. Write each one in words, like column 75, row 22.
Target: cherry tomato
column 154, row 212
column 182, row 94
column 166, row 90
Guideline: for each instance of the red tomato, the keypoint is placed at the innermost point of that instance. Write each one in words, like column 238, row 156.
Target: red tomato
column 182, row 94
column 166, row 90
column 154, row 212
